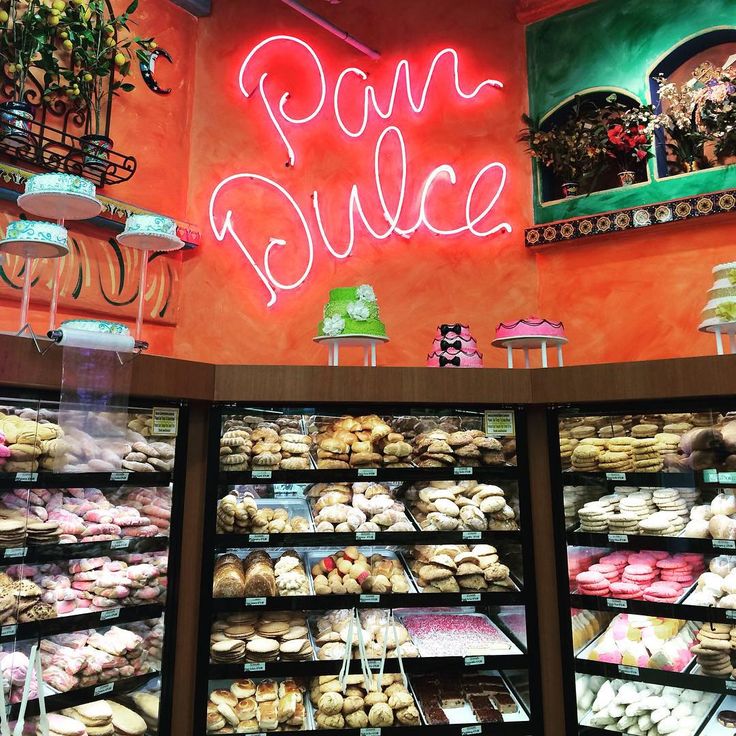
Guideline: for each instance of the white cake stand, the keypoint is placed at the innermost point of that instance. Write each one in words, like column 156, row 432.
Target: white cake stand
column 148, row 243
column 59, row 206
column 367, row 342
column 28, row 250
column 530, row 342
column 719, row 330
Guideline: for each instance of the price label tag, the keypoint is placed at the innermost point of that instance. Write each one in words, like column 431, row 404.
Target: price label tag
column 619, row 538
column 724, row 544
column 374, row 664
column 165, row 421
column 461, row 470
column 727, row 477
column 471, row 730
column 616, row 603
column 471, row 535
column 368, row 473
column 263, row 474
column 625, row 669
column 9, row 630
column 255, row 601
column 710, row 475
column 15, row 551
column 365, row 536
column 119, row 476
column 288, row 490
column 730, row 684
column 254, row 667
column 470, row 597
column 499, row 423
column 370, row 598
column 120, row 544
column 104, row 689
column 258, row 537
column 26, row 477
column 109, row 615
column 474, row 661
column 370, row 732
column 615, row 476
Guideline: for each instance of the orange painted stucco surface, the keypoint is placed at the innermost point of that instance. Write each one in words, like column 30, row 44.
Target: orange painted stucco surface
column 630, row 296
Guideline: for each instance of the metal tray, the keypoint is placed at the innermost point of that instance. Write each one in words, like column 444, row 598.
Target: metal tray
column 316, row 554
column 464, row 715
column 513, row 649
column 295, row 507
column 583, row 652
column 274, row 553
column 308, row 724
column 517, row 584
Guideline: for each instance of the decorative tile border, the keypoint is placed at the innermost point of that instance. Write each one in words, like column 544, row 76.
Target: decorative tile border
column 114, row 212
column 659, row 213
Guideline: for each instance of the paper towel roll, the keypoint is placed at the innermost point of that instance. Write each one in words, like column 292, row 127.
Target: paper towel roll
column 72, row 338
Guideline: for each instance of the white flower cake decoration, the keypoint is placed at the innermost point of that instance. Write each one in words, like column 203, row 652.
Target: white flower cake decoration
column 359, row 311
column 366, row 294
column 334, row 326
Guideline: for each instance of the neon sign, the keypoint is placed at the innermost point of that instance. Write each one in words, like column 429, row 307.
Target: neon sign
column 396, row 219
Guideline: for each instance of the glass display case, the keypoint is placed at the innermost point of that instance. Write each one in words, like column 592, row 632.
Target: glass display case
column 90, row 516
column 368, row 569
column 645, row 516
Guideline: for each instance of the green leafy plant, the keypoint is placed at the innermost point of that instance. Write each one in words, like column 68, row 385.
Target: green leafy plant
column 573, row 149
column 715, row 111
column 98, row 49
column 26, row 32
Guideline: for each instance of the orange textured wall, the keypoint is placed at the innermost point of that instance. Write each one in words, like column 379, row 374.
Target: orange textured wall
column 421, row 282
column 638, row 295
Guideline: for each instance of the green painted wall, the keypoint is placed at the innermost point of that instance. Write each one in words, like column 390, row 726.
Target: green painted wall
column 615, row 44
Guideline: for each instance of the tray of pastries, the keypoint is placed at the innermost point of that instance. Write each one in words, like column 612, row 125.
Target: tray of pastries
column 260, row 575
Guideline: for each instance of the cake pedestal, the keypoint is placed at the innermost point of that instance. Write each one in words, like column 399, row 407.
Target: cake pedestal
column 60, row 206
column 147, row 243
column 28, row 250
column 725, row 328
column 368, row 343
column 531, row 342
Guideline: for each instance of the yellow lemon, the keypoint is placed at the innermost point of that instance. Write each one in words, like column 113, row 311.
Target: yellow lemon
column 68, row 45
column 119, row 59
column 53, row 20
column 58, row 5
column 87, row 77
column 4, row 16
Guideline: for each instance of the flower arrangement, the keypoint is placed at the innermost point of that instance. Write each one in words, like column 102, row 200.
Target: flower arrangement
column 572, row 150
column 715, row 110
column 686, row 141
column 628, row 134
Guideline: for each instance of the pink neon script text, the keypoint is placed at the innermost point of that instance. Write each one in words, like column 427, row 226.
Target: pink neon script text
column 392, row 216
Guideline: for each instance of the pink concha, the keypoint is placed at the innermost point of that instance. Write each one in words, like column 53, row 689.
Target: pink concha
column 530, row 327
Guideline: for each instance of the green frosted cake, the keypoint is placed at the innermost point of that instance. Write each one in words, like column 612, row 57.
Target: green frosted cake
column 352, row 311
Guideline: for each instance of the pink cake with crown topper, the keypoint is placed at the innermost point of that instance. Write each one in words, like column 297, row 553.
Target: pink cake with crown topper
column 530, row 327
column 454, row 347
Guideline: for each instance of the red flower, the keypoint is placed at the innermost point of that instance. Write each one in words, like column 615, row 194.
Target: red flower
column 615, row 135
column 641, row 154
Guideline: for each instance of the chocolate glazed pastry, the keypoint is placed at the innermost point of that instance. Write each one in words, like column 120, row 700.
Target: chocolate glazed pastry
column 727, row 718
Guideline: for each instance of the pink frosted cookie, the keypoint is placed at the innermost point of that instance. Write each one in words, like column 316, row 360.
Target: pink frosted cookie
column 642, row 558
column 673, row 563
column 625, row 590
column 610, row 572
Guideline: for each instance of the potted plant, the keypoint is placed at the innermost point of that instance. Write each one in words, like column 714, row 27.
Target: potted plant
column 628, row 136
column 570, row 149
column 25, row 29
column 99, row 49
column 686, row 141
